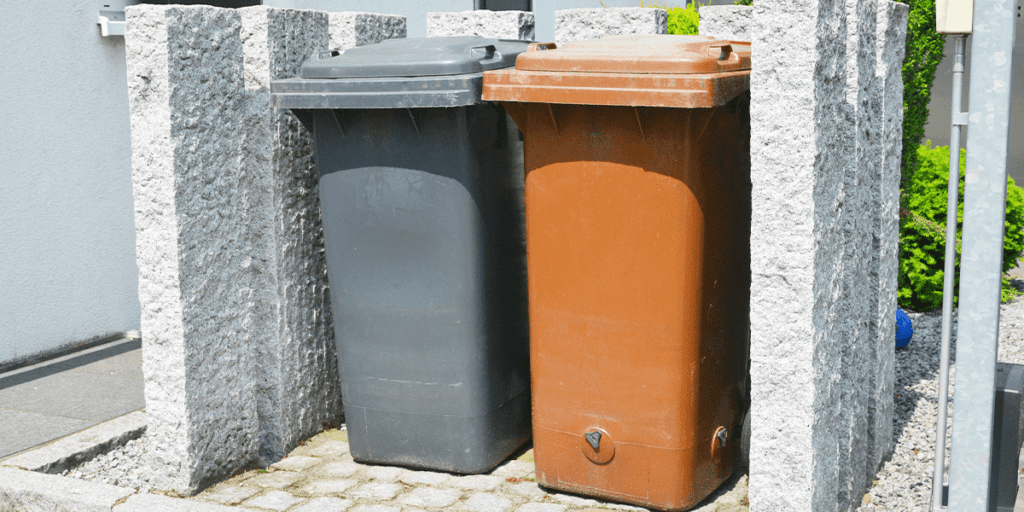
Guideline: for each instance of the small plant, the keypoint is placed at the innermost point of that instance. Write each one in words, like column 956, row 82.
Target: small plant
column 743, row 2
column 682, row 21
column 923, row 231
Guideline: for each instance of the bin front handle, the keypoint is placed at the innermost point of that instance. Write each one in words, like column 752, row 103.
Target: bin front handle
column 534, row 47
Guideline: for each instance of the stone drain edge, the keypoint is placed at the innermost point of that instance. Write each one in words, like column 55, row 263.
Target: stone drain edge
column 31, row 477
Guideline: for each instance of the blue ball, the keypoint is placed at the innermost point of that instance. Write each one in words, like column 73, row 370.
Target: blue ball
column 904, row 329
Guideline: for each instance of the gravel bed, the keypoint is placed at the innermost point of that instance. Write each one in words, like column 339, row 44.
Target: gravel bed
column 123, row 466
column 903, row 483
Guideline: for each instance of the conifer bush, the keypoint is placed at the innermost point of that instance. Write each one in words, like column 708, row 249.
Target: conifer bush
column 923, row 230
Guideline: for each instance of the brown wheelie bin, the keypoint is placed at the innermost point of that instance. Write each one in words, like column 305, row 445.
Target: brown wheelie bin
column 637, row 229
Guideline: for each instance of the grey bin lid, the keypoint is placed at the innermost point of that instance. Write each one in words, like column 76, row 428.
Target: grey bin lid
column 397, row 73
column 418, row 57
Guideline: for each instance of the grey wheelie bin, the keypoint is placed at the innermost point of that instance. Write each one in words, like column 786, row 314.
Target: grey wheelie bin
column 421, row 193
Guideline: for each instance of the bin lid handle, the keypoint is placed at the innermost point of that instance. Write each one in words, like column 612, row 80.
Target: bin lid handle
column 726, row 51
column 325, row 54
column 534, row 47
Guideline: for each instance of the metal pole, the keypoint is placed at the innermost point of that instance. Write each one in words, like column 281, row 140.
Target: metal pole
column 953, row 198
column 981, row 255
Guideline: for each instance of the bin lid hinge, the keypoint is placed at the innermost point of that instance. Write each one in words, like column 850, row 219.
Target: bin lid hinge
column 339, row 119
column 640, row 123
column 553, row 120
column 412, row 116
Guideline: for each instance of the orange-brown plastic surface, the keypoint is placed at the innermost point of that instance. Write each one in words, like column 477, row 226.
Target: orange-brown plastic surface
column 647, row 70
column 638, row 227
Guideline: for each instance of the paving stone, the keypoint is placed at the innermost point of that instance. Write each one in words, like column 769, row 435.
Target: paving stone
column 541, row 507
column 323, row 505
column 27, row 490
column 329, row 448
column 475, row 482
column 528, row 489
column 332, row 486
column 146, row 502
column 274, row 500
column 275, row 480
column 576, row 501
column 423, row 477
column 376, row 508
column 623, row 506
column 514, row 469
column 431, row 497
column 297, row 463
column 376, row 491
column 386, row 473
column 229, row 494
column 347, row 468
column 486, row 502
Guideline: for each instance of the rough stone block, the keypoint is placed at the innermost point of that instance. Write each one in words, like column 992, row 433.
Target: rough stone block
column 588, row 24
column 351, row 29
column 297, row 385
column 240, row 361
column 885, row 197
column 798, row 93
column 27, row 491
column 732, row 22
column 497, row 24
column 198, row 281
column 860, row 140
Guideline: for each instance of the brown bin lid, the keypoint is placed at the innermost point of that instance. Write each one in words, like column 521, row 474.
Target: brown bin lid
column 636, row 70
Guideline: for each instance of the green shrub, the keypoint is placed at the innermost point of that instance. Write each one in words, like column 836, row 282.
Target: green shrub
column 743, row 2
column 923, row 230
column 923, row 55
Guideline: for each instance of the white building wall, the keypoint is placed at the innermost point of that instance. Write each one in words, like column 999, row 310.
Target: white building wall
column 67, row 238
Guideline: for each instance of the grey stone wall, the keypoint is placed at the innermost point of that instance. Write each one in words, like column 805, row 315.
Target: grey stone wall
column 297, row 380
column 498, row 24
column 732, row 22
column 860, row 140
column 197, row 281
column 588, row 24
column 798, row 94
column 239, row 357
column 826, row 125
column 351, row 29
column 885, row 197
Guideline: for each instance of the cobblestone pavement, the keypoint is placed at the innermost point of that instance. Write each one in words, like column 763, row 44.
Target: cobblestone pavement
column 320, row 476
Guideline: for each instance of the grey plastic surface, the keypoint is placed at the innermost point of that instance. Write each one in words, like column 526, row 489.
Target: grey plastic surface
column 1007, row 437
column 397, row 73
column 356, row 93
column 424, row 234
column 416, row 57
